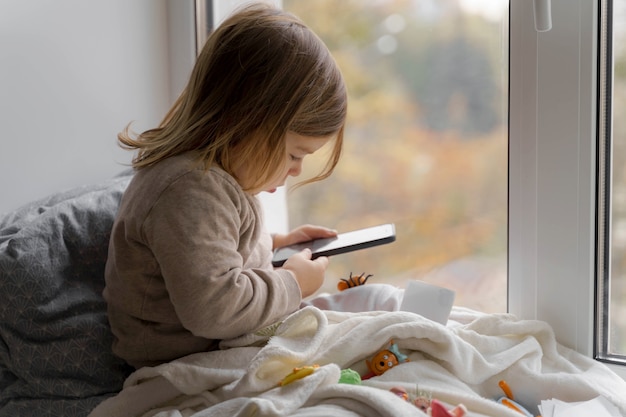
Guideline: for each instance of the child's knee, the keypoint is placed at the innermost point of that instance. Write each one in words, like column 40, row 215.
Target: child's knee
column 369, row 297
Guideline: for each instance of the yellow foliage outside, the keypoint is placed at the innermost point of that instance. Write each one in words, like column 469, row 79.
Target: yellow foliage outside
column 420, row 151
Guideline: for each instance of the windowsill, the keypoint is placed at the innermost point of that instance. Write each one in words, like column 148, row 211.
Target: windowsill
column 618, row 369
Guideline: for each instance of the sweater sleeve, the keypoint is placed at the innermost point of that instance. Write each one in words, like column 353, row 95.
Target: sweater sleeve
column 202, row 230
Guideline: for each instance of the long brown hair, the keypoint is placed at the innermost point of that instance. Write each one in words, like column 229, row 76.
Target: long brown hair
column 261, row 73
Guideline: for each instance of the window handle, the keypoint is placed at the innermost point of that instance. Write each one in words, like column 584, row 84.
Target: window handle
column 543, row 15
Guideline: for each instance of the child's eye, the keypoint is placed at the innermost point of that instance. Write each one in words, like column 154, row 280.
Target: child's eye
column 295, row 158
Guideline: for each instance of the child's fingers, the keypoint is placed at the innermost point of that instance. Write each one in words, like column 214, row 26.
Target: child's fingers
column 316, row 232
column 322, row 260
column 306, row 252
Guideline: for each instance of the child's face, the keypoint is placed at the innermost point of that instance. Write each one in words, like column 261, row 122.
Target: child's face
column 297, row 147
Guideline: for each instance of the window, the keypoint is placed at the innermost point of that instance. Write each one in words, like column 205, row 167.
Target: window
column 552, row 156
column 425, row 145
column 611, row 342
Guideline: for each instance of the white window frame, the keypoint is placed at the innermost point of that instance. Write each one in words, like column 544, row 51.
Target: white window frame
column 552, row 170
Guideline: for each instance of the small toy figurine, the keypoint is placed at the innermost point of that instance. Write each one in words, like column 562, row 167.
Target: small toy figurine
column 355, row 281
column 400, row 392
column 349, row 376
column 422, row 400
column 432, row 407
column 508, row 400
column 385, row 360
column 298, row 373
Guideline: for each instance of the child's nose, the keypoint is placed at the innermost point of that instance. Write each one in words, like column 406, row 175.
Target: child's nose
column 295, row 169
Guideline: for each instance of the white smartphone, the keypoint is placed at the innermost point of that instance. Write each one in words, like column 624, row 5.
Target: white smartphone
column 342, row 243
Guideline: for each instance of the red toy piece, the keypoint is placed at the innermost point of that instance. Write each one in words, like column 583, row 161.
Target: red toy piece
column 437, row 409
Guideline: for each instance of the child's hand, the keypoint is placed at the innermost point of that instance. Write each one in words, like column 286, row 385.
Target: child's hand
column 303, row 233
column 309, row 273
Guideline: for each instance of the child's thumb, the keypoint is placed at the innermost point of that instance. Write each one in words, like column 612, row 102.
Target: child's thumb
column 307, row 253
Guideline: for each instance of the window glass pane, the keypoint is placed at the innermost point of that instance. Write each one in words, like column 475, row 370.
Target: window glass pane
column 616, row 289
column 425, row 145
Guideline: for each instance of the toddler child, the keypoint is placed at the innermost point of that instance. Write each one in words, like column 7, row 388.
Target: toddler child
column 189, row 259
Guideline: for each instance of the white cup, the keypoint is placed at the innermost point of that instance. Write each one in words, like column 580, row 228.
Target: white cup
column 430, row 301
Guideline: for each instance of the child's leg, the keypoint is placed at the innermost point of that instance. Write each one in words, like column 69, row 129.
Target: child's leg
column 370, row 297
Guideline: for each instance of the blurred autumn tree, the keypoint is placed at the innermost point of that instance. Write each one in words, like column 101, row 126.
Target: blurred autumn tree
column 425, row 144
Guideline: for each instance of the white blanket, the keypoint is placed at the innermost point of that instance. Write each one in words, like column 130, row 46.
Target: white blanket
column 459, row 363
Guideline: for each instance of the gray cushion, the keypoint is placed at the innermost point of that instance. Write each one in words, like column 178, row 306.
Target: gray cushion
column 55, row 340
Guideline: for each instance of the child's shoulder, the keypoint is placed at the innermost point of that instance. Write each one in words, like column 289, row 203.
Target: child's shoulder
column 175, row 168
column 185, row 173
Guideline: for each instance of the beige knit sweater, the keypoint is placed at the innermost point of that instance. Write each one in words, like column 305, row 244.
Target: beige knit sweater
column 189, row 264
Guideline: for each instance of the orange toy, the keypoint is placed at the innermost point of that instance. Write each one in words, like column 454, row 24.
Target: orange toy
column 384, row 360
column 353, row 281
